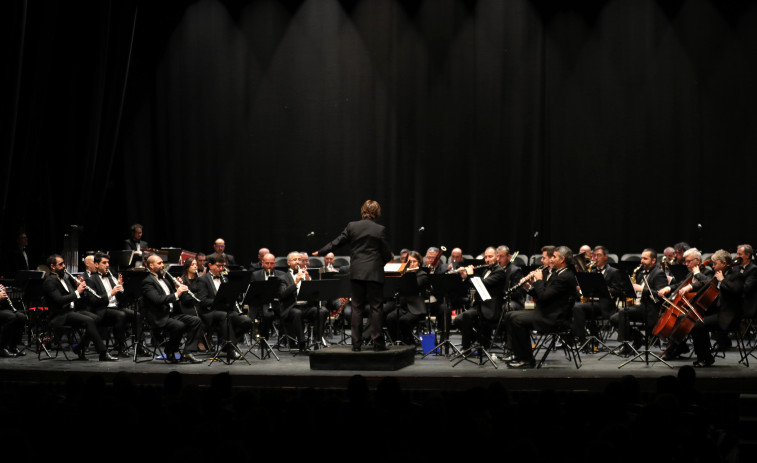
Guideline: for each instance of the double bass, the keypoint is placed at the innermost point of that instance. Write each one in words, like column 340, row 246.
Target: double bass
column 678, row 306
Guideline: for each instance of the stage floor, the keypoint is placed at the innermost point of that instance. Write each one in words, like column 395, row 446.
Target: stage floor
column 435, row 372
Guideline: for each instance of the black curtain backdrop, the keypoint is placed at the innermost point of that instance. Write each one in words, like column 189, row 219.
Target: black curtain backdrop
column 626, row 123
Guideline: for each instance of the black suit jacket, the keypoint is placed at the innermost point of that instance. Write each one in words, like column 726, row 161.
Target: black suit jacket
column 416, row 304
column 259, row 275
column 131, row 245
column 749, row 306
column 554, row 299
column 513, row 275
column 57, row 298
column 156, row 302
column 369, row 250
column 95, row 282
column 730, row 300
column 495, row 285
column 206, row 292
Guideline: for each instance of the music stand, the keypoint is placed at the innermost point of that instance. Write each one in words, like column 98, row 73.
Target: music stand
column 225, row 300
column 320, row 290
column 627, row 292
column 594, row 287
column 263, row 294
column 404, row 286
column 445, row 284
column 131, row 297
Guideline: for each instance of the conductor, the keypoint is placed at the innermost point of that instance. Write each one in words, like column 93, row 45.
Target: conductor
column 369, row 251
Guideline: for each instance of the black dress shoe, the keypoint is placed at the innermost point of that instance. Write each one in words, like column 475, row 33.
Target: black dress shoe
column 355, row 348
column 79, row 351
column 380, row 347
column 171, row 358
column 106, row 357
column 17, row 353
column 232, row 354
column 509, row 358
column 521, row 364
column 189, row 358
column 704, row 363
column 4, row 353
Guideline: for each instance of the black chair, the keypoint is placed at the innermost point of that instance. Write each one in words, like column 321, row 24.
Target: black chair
column 548, row 340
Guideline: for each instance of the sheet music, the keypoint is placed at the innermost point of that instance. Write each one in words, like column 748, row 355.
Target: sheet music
column 480, row 288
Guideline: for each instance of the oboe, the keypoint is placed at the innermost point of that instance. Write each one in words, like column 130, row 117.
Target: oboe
column 111, row 275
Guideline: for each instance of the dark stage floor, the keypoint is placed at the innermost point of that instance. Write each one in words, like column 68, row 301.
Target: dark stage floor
column 431, row 373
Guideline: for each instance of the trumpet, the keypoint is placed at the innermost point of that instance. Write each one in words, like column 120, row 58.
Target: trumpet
column 177, row 283
column 10, row 303
column 92, row 291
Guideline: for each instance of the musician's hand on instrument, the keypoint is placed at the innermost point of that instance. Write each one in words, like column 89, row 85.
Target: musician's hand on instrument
column 82, row 286
column 664, row 291
column 719, row 275
column 179, row 280
column 315, row 253
column 538, row 275
column 2, row 294
column 181, row 290
column 685, row 289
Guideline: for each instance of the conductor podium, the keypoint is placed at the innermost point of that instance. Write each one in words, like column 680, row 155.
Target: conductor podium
column 343, row 358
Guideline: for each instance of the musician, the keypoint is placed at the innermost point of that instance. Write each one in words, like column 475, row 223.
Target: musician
column 412, row 309
column 700, row 276
column 554, row 298
column 328, row 263
column 599, row 307
column 403, row 255
column 368, row 254
column 295, row 312
column 220, row 247
column 679, row 249
column 21, row 257
column 455, row 259
column 202, row 261
column 61, row 293
column 136, row 244
column 430, row 266
column 190, row 276
column 648, row 309
column 486, row 312
column 546, row 261
column 90, row 268
column 583, row 258
column 11, row 327
column 513, row 275
column 670, row 254
column 749, row 269
column 725, row 313
column 161, row 303
column 262, row 252
column 267, row 312
column 106, row 307
column 219, row 319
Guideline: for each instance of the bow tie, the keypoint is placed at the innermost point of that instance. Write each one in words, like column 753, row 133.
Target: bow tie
column 216, row 277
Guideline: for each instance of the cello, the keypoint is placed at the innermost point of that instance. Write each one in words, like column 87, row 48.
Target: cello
column 679, row 306
column 701, row 303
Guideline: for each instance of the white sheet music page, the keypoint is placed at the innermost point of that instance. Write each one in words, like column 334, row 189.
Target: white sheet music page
column 480, row 288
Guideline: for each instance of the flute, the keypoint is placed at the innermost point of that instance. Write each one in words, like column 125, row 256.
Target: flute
column 92, row 291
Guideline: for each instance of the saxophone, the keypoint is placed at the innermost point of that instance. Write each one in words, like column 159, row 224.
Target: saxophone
column 633, row 280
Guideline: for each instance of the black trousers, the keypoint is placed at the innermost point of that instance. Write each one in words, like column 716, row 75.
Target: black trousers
column 85, row 320
column 11, row 328
column 367, row 295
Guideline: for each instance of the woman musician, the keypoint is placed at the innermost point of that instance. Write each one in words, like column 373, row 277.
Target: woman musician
column 412, row 309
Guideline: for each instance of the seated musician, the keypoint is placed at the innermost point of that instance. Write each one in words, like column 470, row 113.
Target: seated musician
column 190, row 276
column 61, row 295
column 749, row 269
column 513, row 275
column 295, row 312
column 484, row 313
column 412, row 309
column 697, row 278
column 554, row 298
column 227, row 321
column 136, row 245
column 725, row 312
column 12, row 324
column 266, row 313
column 262, row 252
column 161, row 303
column 648, row 309
column 107, row 306
column 599, row 307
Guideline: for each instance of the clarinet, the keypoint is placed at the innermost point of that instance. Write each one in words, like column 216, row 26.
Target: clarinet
column 176, row 283
column 10, row 303
column 92, row 291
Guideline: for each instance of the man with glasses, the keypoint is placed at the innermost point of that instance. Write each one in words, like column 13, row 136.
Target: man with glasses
column 220, row 251
column 207, row 288
column 61, row 294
